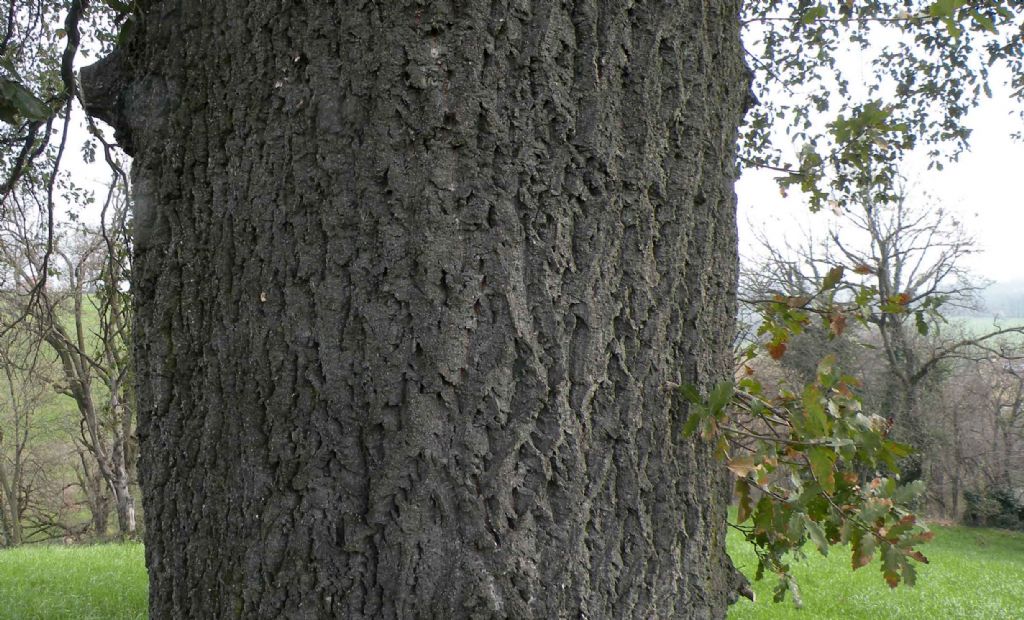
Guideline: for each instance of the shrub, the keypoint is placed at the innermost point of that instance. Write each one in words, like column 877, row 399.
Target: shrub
column 995, row 507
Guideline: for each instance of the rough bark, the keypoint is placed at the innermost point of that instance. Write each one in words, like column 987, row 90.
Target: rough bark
column 411, row 281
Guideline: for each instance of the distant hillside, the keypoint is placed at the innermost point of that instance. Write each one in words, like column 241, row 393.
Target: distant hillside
column 1004, row 299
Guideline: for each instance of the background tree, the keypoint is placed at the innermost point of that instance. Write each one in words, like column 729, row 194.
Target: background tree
column 909, row 266
column 78, row 311
column 25, row 382
column 982, row 414
column 910, row 261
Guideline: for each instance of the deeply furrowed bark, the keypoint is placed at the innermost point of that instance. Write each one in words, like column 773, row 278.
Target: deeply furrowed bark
column 412, row 279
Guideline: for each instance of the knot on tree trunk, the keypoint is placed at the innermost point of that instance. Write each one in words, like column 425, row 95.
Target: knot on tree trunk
column 104, row 88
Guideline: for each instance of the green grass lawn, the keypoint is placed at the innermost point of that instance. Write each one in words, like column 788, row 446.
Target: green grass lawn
column 96, row 582
column 980, row 325
column 974, row 573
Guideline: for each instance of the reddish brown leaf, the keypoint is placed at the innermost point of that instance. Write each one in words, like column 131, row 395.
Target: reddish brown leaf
column 917, row 555
column 838, row 324
column 741, row 466
column 861, row 558
column 746, row 504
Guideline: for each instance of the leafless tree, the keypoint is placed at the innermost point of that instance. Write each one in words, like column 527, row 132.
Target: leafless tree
column 909, row 260
column 912, row 257
column 982, row 416
column 24, row 379
column 80, row 312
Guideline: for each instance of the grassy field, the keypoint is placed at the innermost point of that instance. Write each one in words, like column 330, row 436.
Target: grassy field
column 980, row 325
column 975, row 573
column 101, row 582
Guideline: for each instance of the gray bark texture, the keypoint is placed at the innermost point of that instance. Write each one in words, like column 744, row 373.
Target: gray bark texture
column 412, row 278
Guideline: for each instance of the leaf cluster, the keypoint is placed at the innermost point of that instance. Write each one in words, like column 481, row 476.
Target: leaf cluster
column 810, row 465
column 844, row 89
column 805, row 466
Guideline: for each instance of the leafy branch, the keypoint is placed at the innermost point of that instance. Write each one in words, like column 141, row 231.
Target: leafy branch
column 810, row 465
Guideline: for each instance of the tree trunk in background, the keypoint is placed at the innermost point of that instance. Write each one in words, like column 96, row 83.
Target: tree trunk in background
column 124, row 503
column 97, row 492
column 411, row 281
column 11, row 513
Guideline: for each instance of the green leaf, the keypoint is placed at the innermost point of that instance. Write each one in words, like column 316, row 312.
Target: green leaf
column 816, row 422
column 813, row 14
column 841, row 442
column 944, row 8
column 14, row 95
column 721, row 446
column 898, row 450
column 696, row 414
column 903, row 526
column 817, row 535
column 833, row 278
column 863, row 547
column 720, row 397
column 908, row 492
column 892, row 562
column 764, row 515
column 922, row 325
column 909, row 574
column 983, row 21
column 826, row 372
column 952, row 28
column 796, row 531
column 750, row 386
column 873, row 510
column 690, row 393
column 822, row 460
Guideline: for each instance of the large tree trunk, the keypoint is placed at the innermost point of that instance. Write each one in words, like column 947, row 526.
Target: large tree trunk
column 412, row 279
